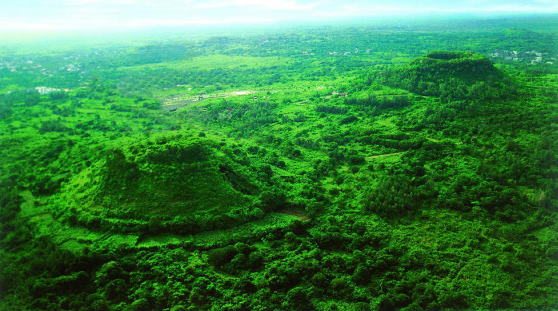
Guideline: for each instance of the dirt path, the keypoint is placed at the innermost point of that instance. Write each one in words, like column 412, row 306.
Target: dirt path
column 296, row 213
column 75, row 239
column 178, row 104
column 173, row 103
column 384, row 155
column 274, row 219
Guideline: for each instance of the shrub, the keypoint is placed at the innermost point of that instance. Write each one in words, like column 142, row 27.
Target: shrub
column 219, row 256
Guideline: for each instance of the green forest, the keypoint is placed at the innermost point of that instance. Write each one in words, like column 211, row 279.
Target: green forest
column 340, row 167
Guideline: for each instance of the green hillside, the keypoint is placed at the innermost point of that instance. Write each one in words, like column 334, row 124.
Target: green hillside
column 465, row 66
column 452, row 75
column 332, row 167
column 174, row 180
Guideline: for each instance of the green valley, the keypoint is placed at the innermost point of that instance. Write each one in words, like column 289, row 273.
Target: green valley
column 337, row 167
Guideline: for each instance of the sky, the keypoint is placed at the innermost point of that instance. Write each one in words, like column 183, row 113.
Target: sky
column 69, row 15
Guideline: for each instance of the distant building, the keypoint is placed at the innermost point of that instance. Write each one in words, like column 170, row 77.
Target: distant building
column 43, row 90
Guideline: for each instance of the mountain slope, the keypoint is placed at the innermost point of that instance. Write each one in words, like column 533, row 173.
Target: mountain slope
column 452, row 75
column 190, row 182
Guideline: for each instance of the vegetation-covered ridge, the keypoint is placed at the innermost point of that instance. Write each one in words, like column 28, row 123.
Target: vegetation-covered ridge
column 466, row 66
column 172, row 183
column 452, row 75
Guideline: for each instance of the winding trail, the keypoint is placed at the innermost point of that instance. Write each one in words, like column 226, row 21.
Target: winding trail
column 77, row 238
column 383, row 155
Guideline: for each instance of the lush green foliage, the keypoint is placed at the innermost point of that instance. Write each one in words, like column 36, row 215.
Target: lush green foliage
column 239, row 173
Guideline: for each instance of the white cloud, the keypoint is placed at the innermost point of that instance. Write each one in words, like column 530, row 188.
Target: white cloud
column 275, row 4
column 109, row 3
column 14, row 26
column 286, row 5
column 106, row 14
column 381, row 10
column 109, row 24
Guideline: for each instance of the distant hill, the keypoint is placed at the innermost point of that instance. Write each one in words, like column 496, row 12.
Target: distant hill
column 465, row 66
column 178, row 181
column 452, row 75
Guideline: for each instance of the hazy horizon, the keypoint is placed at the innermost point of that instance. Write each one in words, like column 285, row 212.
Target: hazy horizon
column 31, row 16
